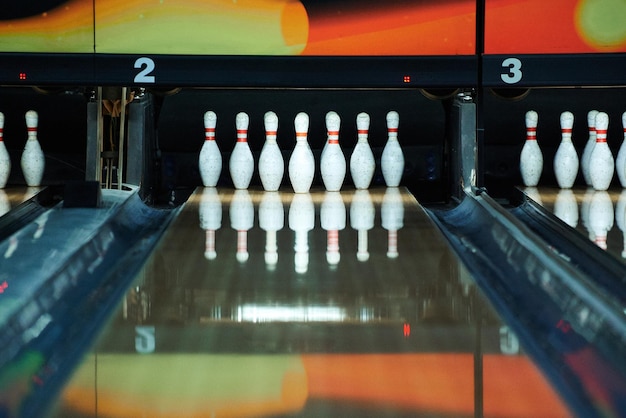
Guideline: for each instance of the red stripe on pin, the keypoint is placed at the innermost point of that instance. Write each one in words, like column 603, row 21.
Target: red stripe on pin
column 270, row 133
column 333, row 141
column 566, row 130
column 300, row 134
column 362, row 131
column 209, row 130
column 31, row 129
column 392, row 129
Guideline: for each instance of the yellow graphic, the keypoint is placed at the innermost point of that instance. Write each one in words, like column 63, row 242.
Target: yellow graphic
column 602, row 23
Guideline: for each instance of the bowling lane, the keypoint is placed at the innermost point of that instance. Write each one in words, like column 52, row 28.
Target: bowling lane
column 598, row 215
column 13, row 196
column 319, row 304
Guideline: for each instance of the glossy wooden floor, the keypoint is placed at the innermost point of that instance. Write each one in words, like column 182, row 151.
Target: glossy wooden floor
column 379, row 319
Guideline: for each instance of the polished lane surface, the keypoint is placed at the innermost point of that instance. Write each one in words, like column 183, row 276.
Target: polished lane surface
column 320, row 304
column 598, row 215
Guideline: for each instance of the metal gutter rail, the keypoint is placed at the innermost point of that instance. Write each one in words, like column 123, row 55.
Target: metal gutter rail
column 573, row 328
column 53, row 308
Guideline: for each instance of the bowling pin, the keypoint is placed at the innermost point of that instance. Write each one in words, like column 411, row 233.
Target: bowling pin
column 620, row 161
column 566, row 207
column 566, row 158
column 531, row 158
column 362, row 163
column 392, row 215
column 32, row 162
column 392, row 159
column 271, row 163
column 332, row 220
column 301, row 221
column 241, row 164
column 210, row 214
column 601, row 215
column 591, row 142
column 241, row 214
column 271, row 220
column 333, row 162
column 601, row 164
column 362, row 214
column 210, row 159
column 5, row 160
column 301, row 162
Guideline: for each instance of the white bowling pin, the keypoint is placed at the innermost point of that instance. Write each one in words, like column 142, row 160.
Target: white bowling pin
column 301, row 162
column 362, row 215
column 531, row 158
column 241, row 163
column 5, row 160
column 392, row 214
column 241, row 214
column 566, row 158
column 601, row 215
column 333, row 220
column 333, row 162
column 566, row 207
column 362, row 163
column 601, row 163
column 620, row 161
column 301, row 221
column 210, row 213
column 33, row 161
column 591, row 142
column 271, row 163
column 210, row 159
column 392, row 159
column 271, row 220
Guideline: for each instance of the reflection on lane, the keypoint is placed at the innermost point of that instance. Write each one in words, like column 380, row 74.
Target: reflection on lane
column 593, row 213
column 365, row 312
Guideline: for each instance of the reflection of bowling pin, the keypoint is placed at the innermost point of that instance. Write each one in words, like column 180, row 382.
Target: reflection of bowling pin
column 13, row 243
column 620, row 162
column 241, row 214
column 41, row 224
column 601, row 164
column 271, row 220
column 534, row 194
column 301, row 162
column 301, row 221
column 392, row 214
column 362, row 163
column 591, row 142
column 531, row 158
column 620, row 218
column 32, row 161
column 271, row 163
column 241, row 163
column 362, row 214
column 210, row 211
column 584, row 211
column 333, row 220
column 5, row 205
column 210, row 159
column 5, row 160
column 392, row 159
column 566, row 159
column 566, row 207
column 333, row 162
column 601, row 215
